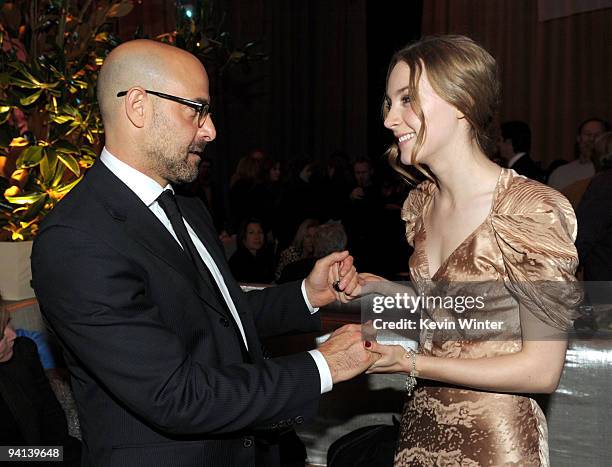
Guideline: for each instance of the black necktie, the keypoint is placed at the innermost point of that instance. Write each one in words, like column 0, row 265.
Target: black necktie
column 168, row 203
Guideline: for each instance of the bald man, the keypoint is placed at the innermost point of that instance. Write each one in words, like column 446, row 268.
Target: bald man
column 162, row 344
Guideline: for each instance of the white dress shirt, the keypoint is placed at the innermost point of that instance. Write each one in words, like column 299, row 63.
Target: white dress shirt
column 565, row 175
column 515, row 158
column 148, row 190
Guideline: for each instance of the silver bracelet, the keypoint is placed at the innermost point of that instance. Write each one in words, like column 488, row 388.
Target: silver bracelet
column 411, row 380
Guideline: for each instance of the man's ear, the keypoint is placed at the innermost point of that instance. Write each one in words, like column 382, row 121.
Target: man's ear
column 135, row 106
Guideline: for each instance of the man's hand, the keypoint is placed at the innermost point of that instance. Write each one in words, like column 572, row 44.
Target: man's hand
column 345, row 353
column 337, row 267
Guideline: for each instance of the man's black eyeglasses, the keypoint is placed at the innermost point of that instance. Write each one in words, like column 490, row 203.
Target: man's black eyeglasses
column 202, row 108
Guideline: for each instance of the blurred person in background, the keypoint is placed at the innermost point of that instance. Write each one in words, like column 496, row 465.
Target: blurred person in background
column 328, row 238
column 515, row 149
column 302, row 246
column 582, row 167
column 30, row 414
column 594, row 213
column 252, row 261
column 267, row 198
column 243, row 185
column 363, row 216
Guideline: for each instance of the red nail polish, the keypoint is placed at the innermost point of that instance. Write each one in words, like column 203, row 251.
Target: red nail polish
column 367, row 344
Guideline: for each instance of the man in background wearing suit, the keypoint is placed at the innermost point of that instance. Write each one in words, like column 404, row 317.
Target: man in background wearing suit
column 514, row 149
column 163, row 346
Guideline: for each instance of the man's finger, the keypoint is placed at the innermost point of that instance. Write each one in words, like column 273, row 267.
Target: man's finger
column 346, row 265
column 332, row 258
column 349, row 277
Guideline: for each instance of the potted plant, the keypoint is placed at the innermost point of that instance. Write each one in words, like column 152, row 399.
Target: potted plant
column 50, row 124
column 50, row 127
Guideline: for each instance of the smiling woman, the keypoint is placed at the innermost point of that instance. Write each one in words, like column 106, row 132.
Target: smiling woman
column 473, row 221
column 458, row 76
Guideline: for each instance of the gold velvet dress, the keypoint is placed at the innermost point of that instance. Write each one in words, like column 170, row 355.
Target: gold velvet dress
column 528, row 236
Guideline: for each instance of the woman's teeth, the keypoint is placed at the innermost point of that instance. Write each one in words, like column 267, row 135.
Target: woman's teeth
column 406, row 137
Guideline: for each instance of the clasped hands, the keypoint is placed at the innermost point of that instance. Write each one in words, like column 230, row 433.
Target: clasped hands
column 347, row 354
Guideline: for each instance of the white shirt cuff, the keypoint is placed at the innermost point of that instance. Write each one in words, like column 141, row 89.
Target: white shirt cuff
column 310, row 307
column 324, row 373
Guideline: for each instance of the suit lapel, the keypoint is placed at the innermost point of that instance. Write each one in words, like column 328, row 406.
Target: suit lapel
column 143, row 227
column 193, row 213
column 199, row 219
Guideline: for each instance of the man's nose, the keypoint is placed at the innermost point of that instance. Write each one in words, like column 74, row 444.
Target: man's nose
column 208, row 130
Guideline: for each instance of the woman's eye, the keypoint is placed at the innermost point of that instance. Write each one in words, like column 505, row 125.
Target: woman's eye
column 405, row 100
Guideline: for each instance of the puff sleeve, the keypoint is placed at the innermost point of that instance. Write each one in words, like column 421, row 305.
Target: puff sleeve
column 535, row 228
column 412, row 210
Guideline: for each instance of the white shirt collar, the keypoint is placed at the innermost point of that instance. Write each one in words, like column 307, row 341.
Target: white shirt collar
column 515, row 158
column 147, row 189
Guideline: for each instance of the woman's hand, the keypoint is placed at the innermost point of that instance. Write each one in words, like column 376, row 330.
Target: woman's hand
column 365, row 277
column 393, row 358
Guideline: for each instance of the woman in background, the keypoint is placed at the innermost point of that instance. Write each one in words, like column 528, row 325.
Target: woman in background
column 252, row 262
column 469, row 221
column 302, row 246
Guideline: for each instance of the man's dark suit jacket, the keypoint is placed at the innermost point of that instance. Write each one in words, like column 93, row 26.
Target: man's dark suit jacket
column 594, row 216
column 525, row 166
column 157, row 370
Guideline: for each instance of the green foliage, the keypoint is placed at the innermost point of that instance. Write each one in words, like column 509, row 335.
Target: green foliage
column 202, row 32
column 50, row 126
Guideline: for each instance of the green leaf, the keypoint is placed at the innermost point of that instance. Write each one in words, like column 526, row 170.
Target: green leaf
column 87, row 150
column 102, row 37
column 30, row 157
column 59, row 175
column 29, row 75
column 62, row 119
column 58, row 74
column 48, row 166
column 22, row 83
column 70, row 162
column 66, row 147
column 69, row 110
column 33, row 209
column 66, row 188
column 25, row 199
column 80, row 83
column 86, row 161
column 30, row 99
column 19, row 141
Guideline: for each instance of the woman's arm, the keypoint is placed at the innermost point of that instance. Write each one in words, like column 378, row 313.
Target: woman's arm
column 536, row 368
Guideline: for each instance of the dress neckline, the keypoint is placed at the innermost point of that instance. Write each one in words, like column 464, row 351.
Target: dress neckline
column 469, row 237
